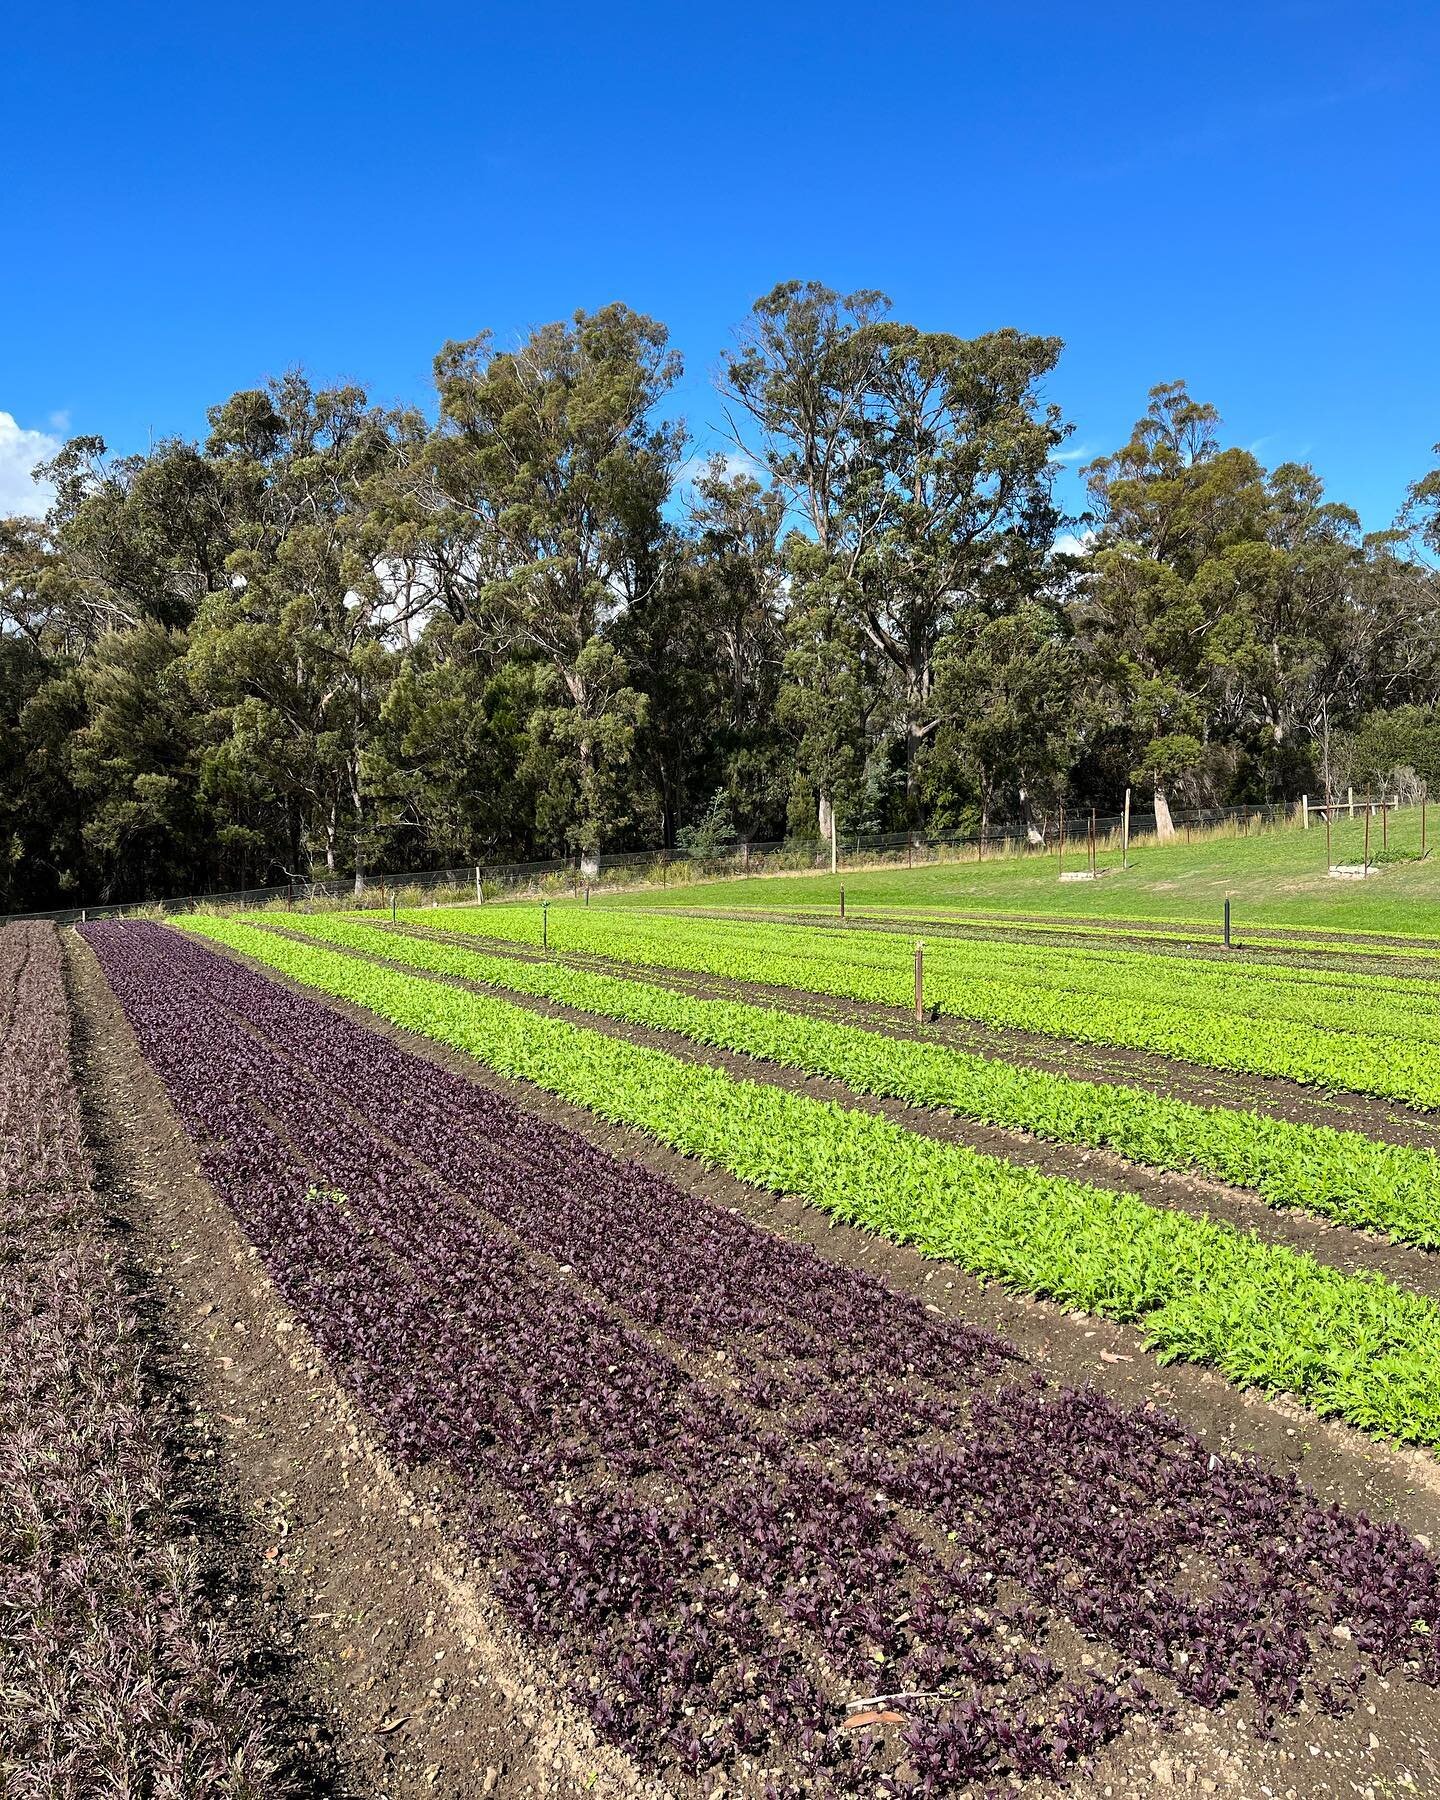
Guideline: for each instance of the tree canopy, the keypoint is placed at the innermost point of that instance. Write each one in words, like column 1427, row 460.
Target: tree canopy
column 524, row 621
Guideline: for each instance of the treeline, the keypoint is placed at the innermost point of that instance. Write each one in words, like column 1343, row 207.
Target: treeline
column 343, row 638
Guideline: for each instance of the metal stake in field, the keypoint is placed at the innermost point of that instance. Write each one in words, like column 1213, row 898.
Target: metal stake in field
column 1125, row 835
column 1384, row 824
column 1423, row 797
column 1227, row 921
column 842, row 899
column 1092, row 841
column 1366, row 864
column 544, row 924
column 479, row 890
column 392, row 905
column 919, row 982
column 1329, row 859
column 1061, row 869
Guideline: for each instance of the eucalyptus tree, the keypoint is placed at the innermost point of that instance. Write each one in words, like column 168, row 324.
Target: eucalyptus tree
column 292, row 654
column 545, row 488
column 918, row 467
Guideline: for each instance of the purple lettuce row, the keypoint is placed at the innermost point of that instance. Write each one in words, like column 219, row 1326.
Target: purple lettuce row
column 115, row 1676
column 41, row 1140
column 713, row 1447
column 833, row 1564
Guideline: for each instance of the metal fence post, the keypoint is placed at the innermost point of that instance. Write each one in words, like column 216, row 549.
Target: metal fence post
column 919, row 982
column 1227, row 921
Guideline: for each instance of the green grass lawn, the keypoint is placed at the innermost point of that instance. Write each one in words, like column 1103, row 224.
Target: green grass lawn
column 1274, row 879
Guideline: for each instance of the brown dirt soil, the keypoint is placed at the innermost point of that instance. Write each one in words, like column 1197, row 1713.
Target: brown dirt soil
column 1388, row 1747
column 415, row 1676
column 1388, row 1120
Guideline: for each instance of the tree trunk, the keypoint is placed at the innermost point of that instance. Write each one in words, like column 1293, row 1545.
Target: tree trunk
column 1164, row 824
column 826, row 816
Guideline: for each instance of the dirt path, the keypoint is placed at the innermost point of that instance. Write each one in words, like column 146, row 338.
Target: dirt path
column 422, row 1688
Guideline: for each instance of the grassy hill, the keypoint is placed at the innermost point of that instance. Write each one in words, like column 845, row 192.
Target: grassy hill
column 1275, row 879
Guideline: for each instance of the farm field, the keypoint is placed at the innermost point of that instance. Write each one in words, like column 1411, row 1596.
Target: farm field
column 651, row 1361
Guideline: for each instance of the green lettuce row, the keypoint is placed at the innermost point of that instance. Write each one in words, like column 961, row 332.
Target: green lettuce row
column 1339, row 1174
column 1354, row 1347
column 966, row 981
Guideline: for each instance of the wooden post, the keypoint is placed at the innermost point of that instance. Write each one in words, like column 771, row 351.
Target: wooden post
column 909, row 852
column 1092, row 840
column 479, row 891
column 842, row 899
column 919, row 982
column 1227, row 921
column 1061, row 869
column 1384, row 825
column 1304, row 812
column 587, row 893
column 1366, row 863
column 834, row 841
column 544, row 924
column 290, row 897
column 1350, row 801
column 1423, row 798
column 1125, row 835
column 1329, row 860
column 393, row 892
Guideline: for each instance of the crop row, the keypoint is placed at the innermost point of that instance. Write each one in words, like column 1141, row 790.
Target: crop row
column 1352, row 1346
column 1341, row 1175
column 737, row 1484
column 1126, row 999
column 117, row 1677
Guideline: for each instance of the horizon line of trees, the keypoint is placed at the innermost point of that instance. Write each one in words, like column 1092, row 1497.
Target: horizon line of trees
column 352, row 639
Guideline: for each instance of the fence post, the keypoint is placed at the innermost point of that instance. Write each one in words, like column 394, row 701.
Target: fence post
column 1060, row 868
column 919, row 982
column 1384, row 824
column 842, row 899
column 1329, row 860
column 544, row 924
column 392, row 905
column 1227, row 921
column 1125, row 834
column 1366, row 864
column 290, row 897
column 1092, row 840
column 1350, row 801
column 1304, row 812
column 1423, row 798
column 587, row 893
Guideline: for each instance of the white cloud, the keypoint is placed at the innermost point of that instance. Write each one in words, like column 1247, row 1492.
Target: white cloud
column 1070, row 543
column 20, row 450
column 1078, row 454
column 735, row 463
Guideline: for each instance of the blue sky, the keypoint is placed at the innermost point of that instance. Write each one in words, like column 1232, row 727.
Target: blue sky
column 1241, row 196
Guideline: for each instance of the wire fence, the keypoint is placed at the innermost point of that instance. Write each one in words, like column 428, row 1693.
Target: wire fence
column 1070, row 832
